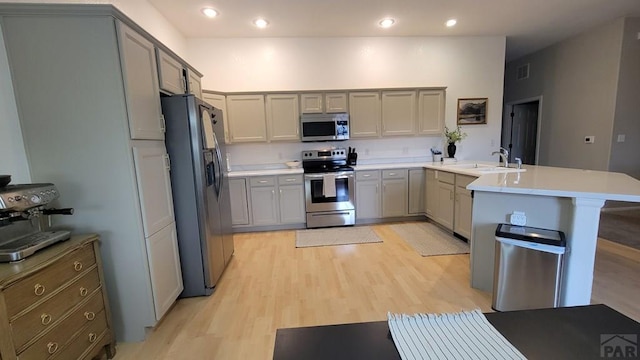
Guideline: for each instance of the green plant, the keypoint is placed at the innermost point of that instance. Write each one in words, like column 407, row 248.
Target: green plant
column 454, row 136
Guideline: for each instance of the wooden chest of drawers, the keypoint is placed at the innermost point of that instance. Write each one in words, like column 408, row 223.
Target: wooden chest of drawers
column 53, row 304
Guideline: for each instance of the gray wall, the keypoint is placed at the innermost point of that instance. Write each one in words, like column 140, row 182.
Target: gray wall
column 625, row 155
column 578, row 81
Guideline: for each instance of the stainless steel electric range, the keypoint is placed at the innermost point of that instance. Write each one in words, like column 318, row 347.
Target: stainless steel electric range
column 329, row 188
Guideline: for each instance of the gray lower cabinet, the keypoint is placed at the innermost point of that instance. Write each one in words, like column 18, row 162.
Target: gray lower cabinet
column 445, row 199
column 394, row 193
column 416, row 191
column 264, row 207
column 430, row 192
column 368, row 195
column 267, row 200
column 239, row 202
column 291, row 189
column 463, row 206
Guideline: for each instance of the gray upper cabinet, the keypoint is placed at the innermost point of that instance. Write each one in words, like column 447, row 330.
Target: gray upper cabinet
column 335, row 102
column 398, row 112
column 311, row 103
column 246, row 115
column 282, row 116
column 195, row 84
column 431, row 105
column 364, row 113
column 170, row 74
column 141, row 85
column 220, row 102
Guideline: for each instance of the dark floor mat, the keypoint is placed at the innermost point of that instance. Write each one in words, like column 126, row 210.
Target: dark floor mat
column 621, row 226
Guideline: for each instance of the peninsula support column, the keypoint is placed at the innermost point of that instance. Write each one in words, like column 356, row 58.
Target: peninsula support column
column 582, row 239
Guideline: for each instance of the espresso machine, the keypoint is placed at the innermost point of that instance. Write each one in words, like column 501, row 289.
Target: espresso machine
column 25, row 222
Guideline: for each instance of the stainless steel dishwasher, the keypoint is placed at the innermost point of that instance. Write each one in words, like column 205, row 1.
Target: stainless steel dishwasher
column 528, row 268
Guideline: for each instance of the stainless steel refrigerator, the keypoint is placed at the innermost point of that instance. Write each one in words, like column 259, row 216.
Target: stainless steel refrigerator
column 199, row 181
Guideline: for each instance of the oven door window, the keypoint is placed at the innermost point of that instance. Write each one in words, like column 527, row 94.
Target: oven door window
column 319, row 128
column 342, row 191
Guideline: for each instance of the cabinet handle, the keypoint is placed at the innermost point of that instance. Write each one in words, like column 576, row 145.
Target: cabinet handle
column 163, row 124
column 167, row 161
column 92, row 337
column 184, row 84
column 376, row 188
column 280, row 192
column 77, row 265
column 392, row 174
column 89, row 315
column 52, row 347
column 290, row 180
column 39, row 289
column 262, row 181
column 45, row 319
column 366, row 175
column 83, row 291
column 450, row 195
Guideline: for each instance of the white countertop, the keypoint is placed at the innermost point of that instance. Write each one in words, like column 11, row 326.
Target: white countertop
column 562, row 182
column 243, row 173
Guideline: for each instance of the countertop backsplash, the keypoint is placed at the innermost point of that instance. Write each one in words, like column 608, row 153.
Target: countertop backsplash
column 268, row 156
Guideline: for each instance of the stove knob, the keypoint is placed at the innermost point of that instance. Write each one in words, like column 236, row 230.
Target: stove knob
column 17, row 198
column 35, row 199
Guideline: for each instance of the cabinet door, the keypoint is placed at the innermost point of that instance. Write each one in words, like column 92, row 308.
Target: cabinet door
column 283, row 117
column 141, row 85
column 416, row 191
column 219, row 102
column 335, row 102
column 292, row 204
column 154, row 185
column 246, row 118
column 368, row 199
column 431, row 112
column 170, row 74
column 311, row 103
column 364, row 114
column 398, row 112
column 164, row 268
column 264, row 206
column 239, row 205
column 394, row 197
column 444, row 212
column 431, row 192
column 195, row 86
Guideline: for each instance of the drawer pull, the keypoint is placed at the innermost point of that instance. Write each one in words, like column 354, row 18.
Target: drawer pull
column 366, row 175
column 262, row 181
column 92, row 337
column 83, row 291
column 392, row 174
column 90, row 315
column 45, row 319
column 77, row 266
column 52, row 347
column 290, row 180
column 39, row 289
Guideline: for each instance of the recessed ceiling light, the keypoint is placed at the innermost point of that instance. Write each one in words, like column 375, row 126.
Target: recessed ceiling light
column 385, row 23
column 451, row 22
column 261, row 23
column 209, row 12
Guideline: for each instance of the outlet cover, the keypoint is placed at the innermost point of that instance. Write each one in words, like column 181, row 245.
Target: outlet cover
column 518, row 218
column 621, row 137
column 589, row 139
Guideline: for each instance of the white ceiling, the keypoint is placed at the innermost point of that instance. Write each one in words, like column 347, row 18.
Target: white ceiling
column 529, row 25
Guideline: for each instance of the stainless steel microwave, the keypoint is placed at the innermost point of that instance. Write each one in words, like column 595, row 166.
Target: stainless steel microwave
column 324, row 127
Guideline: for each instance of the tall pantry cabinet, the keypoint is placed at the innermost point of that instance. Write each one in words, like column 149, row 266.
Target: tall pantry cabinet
column 86, row 87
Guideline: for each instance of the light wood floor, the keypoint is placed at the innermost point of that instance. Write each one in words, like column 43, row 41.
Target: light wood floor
column 270, row 284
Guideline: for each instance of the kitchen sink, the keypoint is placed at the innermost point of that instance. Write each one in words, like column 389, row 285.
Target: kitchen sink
column 484, row 168
column 472, row 166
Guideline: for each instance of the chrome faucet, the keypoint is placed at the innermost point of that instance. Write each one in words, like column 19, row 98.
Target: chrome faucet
column 504, row 156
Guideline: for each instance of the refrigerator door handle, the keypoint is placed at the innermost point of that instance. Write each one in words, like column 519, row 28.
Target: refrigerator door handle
column 219, row 167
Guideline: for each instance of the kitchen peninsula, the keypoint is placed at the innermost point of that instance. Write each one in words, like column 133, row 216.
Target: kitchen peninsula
column 562, row 199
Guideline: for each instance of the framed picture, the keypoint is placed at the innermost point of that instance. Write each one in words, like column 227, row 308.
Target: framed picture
column 472, row 111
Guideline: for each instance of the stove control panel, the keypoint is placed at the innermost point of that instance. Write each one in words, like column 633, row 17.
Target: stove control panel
column 328, row 154
column 23, row 197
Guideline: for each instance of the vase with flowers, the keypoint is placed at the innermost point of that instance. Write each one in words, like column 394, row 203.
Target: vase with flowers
column 453, row 136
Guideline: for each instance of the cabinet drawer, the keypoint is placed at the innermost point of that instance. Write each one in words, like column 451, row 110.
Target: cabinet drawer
column 262, row 181
column 446, row 177
column 289, row 179
column 38, row 286
column 49, row 312
column 464, row 180
column 394, row 174
column 367, row 175
column 67, row 343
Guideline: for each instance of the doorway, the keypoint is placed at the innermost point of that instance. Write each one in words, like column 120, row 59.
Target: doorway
column 520, row 130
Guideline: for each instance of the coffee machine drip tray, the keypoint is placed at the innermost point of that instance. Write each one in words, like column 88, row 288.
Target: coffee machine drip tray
column 19, row 248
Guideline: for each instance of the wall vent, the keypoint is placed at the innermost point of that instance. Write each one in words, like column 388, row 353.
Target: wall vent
column 523, row 72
